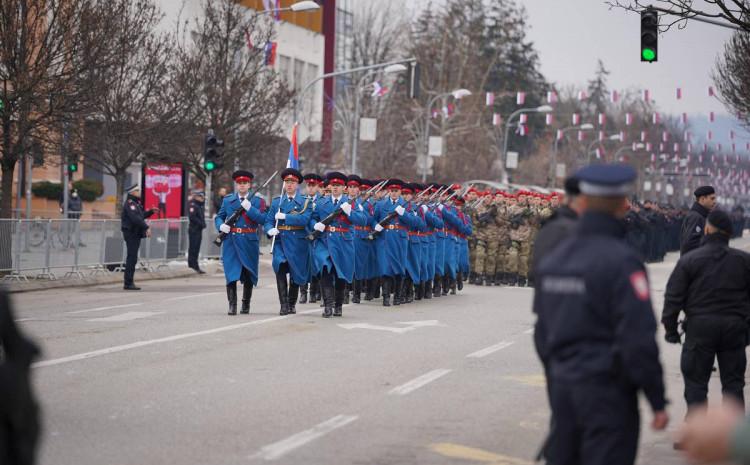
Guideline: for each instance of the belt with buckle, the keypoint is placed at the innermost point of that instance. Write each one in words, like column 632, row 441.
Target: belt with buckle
column 363, row 228
column 244, row 230
column 336, row 229
column 395, row 226
column 290, row 228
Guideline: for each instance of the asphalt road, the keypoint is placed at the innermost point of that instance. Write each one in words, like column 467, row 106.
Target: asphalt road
column 165, row 376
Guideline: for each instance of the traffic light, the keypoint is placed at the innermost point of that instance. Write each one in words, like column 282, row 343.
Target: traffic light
column 72, row 166
column 2, row 105
column 213, row 151
column 649, row 35
column 414, row 80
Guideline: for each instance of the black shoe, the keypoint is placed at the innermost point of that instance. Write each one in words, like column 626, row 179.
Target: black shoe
column 131, row 287
column 436, row 287
column 328, row 301
column 375, row 288
column 446, row 284
column 199, row 271
column 247, row 293
column 460, row 281
column 522, row 282
column 452, row 286
column 303, row 295
column 427, row 294
column 232, row 298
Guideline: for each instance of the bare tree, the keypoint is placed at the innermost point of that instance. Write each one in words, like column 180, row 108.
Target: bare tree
column 732, row 76
column 735, row 12
column 50, row 54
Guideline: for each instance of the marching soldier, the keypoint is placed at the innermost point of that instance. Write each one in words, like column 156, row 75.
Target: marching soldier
column 416, row 226
column 362, row 246
column 333, row 251
column 240, row 250
column 392, row 241
column 463, row 243
column 134, row 228
column 197, row 223
column 313, row 188
column 371, row 272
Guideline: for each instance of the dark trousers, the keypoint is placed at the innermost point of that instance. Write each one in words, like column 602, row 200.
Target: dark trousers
column 132, row 243
column 708, row 338
column 595, row 423
column 329, row 279
column 195, row 236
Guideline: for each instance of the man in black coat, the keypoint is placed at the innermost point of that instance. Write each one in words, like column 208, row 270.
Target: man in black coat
column 19, row 414
column 694, row 222
column 711, row 284
column 559, row 226
column 197, row 223
column 134, row 228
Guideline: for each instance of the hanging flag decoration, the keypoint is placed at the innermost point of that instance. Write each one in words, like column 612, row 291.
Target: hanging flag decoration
column 378, row 90
column 522, row 129
column 661, row 147
column 559, row 134
column 628, row 119
column 580, row 136
column 689, row 148
column 622, row 136
column 552, row 97
column 644, row 136
column 549, row 119
column 734, row 147
column 520, row 98
column 270, row 53
column 497, row 120
column 648, row 146
column 710, row 91
column 653, row 158
column 676, row 147
column 665, row 136
column 602, row 119
column 711, row 117
column 293, row 160
column 582, row 95
column 731, row 134
column 679, row 93
column 686, row 136
column 599, row 153
column 601, row 135
column 646, row 96
column 576, row 119
column 490, row 99
column 614, row 96
column 523, row 118
column 710, row 135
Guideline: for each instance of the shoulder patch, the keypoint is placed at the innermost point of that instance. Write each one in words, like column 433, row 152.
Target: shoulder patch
column 132, row 207
column 639, row 282
column 192, row 209
column 697, row 229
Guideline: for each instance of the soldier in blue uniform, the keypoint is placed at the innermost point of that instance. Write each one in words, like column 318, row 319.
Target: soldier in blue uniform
column 197, row 223
column 333, row 251
column 416, row 226
column 287, row 220
column 441, row 238
column 433, row 224
column 361, row 233
column 595, row 331
column 463, row 243
column 313, row 185
column 372, row 272
column 134, row 228
column 453, row 226
column 240, row 250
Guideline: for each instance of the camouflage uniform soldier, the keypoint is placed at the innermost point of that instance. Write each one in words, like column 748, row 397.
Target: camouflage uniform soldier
column 520, row 235
column 504, row 268
column 494, row 228
column 481, row 239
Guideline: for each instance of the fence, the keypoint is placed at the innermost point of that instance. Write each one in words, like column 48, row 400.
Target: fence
column 51, row 248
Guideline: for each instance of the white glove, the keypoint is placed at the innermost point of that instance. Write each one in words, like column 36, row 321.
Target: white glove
column 400, row 210
column 246, row 205
column 441, row 206
column 273, row 232
column 319, row 227
column 225, row 228
column 378, row 228
column 346, row 207
column 280, row 216
column 361, row 208
column 424, row 208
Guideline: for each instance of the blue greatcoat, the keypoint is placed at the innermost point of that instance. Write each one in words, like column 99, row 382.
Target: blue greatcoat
column 454, row 225
column 463, row 250
column 433, row 223
column 441, row 237
column 363, row 250
column 291, row 244
column 240, row 250
column 391, row 244
column 336, row 248
column 414, row 251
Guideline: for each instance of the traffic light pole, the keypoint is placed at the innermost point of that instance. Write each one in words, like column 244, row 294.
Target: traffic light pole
column 208, row 204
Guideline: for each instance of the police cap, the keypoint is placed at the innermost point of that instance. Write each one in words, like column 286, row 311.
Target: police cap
column 606, row 180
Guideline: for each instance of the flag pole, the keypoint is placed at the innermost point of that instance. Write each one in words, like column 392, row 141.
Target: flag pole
column 294, row 148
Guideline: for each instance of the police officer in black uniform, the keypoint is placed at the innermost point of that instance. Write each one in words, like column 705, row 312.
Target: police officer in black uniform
column 134, row 228
column 692, row 226
column 595, row 332
column 196, row 217
column 711, row 284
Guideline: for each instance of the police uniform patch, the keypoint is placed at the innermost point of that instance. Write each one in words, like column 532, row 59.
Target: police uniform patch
column 697, row 229
column 191, row 209
column 640, row 285
column 132, row 207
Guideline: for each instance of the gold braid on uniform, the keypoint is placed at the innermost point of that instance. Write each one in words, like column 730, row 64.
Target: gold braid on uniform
column 304, row 207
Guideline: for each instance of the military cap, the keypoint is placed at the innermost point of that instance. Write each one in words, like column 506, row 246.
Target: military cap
column 354, row 180
column 394, row 184
column 720, row 220
column 606, row 180
column 458, row 200
column 366, row 183
column 336, row 178
column 242, row 175
column 407, row 188
column 134, row 187
column 312, row 178
column 291, row 173
column 704, row 190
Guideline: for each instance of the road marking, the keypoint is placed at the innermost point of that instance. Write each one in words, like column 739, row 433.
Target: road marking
column 176, row 337
column 103, row 308
column 529, row 331
column 529, row 380
column 458, row 451
column 129, row 316
column 283, row 447
column 182, row 297
column 24, row 319
column 490, row 350
column 417, row 383
column 410, row 326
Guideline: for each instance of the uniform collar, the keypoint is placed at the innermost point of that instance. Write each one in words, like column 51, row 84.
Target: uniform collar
column 716, row 238
column 601, row 223
column 700, row 209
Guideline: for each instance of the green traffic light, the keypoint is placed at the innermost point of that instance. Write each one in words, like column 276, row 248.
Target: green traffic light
column 209, row 165
column 2, row 104
column 73, row 167
column 648, row 54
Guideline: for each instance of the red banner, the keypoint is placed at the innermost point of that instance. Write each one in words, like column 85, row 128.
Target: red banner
column 163, row 190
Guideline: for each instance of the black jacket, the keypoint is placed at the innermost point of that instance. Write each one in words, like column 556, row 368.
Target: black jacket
column 692, row 228
column 711, row 280
column 558, row 227
column 196, row 215
column 134, row 218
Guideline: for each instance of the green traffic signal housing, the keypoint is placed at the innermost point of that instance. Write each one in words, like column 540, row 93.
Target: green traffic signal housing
column 213, row 152
column 649, row 35
column 72, row 167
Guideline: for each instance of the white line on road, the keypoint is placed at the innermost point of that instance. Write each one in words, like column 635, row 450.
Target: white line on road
column 177, row 337
column 129, row 316
column 283, row 447
column 529, row 331
column 182, row 297
column 103, row 308
column 490, row 350
column 417, row 383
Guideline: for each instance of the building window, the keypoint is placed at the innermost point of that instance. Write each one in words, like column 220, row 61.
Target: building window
column 285, row 69
column 299, row 70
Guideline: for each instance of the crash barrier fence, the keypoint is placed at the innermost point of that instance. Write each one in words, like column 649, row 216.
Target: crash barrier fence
column 72, row 248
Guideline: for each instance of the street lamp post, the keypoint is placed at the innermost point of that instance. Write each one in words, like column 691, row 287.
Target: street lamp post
column 457, row 94
column 637, row 146
column 391, row 69
column 542, row 109
column 553, row 161
column 296, row 7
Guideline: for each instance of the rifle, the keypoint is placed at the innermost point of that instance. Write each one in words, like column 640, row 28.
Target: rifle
column 237, row 213
column 326, row 221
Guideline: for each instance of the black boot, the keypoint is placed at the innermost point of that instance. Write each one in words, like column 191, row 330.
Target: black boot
column 427, row 289
column 369, row 287
column 357, row 291
column 387, row 292
column 481, row 279
column 512, row 279
column 398, row 281
column 406, row 288
column 303, row 294
column 346, row 294
column 293, row 293
column 504, row 279
column 460, row 281
column 452, row 286
column 418, row 291
column 247, row 294
column 283, row 291
column 339, row 299
column 314, row 290
column 376, row 287
column 232, row 298
column 436, row 286
column 446, row 284
column 521, row 282
column 328, row 300
column 530, row 282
